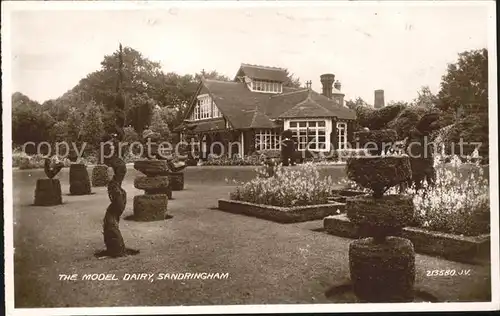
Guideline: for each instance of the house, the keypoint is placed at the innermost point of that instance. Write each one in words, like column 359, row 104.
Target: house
column 249, row 114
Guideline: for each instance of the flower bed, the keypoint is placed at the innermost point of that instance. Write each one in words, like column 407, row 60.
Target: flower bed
column 288, row 187
column 285, row 195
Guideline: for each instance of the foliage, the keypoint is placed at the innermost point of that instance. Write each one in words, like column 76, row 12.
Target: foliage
column 92, row 127
column 406, row 120
column 59, row 132
column 233, row 161
column 465, row 83
column 357, row 102
column 74, row 122
column 29, row 122
column 426, row 99
column 291, row 81
column 140, row 112
column 378, row 118
column 458, row 203
column 298, row 186
column 159, row 125
column 471, row 129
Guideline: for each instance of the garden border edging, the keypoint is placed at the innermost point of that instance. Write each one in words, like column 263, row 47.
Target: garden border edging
column 467, row 249
column 281, row 214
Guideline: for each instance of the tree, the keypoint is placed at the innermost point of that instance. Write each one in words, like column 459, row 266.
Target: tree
column 29, row 122
column 74, row 122
column 140, row 112
column 140, row 75
column 59, row 132
column 465, row 83
column 92, row 128
column 159, row 124
column 211, row 75
column 354, row 104
column 426, row 98
column 464, row 88
column 291, row 81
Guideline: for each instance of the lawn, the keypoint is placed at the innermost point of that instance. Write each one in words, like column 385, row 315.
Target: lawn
column 267, row 262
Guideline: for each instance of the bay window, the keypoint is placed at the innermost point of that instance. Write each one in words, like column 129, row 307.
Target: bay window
column 310, row 135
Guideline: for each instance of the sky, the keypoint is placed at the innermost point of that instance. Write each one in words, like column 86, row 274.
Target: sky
column 398, row 48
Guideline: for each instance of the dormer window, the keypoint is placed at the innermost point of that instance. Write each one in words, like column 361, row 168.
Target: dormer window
column 266, row 86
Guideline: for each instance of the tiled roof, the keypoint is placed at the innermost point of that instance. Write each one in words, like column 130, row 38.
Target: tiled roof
column 212, row 125
column 307, row 108
column 263, row 72
column 247, row 109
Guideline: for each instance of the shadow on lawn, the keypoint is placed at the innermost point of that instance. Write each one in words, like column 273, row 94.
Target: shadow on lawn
column 344, row 294
column 134, row 218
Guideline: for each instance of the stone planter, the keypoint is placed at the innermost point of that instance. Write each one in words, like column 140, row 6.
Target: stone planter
column 281, row 214
column 468, row 249
column 79, row 182
column 48, row 192
column 152, row 206
column 100, row 176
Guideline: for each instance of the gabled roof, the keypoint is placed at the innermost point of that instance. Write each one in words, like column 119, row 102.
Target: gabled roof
column 245, row 109
column 307, row 108
column 262, row 72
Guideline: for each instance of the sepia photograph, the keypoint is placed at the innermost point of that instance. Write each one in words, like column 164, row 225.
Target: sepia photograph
column 213, row 157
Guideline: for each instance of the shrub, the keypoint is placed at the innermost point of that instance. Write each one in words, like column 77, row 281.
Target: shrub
column 288, row 187
column 458, row 203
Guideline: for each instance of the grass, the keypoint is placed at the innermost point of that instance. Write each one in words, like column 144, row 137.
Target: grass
column 268, row 263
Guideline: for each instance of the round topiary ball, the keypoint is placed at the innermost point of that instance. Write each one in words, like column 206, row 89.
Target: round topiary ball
column 382, row 273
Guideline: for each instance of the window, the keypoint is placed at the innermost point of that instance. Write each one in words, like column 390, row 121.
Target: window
column 266, row 86
column 267, row 139
column 342, row 135
column 309, row 135
column 205, row 108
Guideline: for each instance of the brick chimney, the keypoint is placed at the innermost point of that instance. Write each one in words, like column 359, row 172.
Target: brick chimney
column 337, row 85
column 379, row 99
column 327, row 81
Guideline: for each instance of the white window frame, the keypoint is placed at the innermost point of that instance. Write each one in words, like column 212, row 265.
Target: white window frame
column 267, row 139
column 305, row 129
column 205, row 108
column 342, row 135
column 266, row 86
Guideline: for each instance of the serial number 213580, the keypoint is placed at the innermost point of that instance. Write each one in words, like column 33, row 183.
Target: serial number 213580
column 449, row 272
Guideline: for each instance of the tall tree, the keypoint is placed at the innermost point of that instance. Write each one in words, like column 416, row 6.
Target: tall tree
column 29, row 122
column 465, row 84
column 354, row 104
column 92, row 128
column 425, row 98
column 292, row 81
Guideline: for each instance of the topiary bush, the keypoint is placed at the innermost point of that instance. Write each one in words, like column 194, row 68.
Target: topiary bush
column 379, row 173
